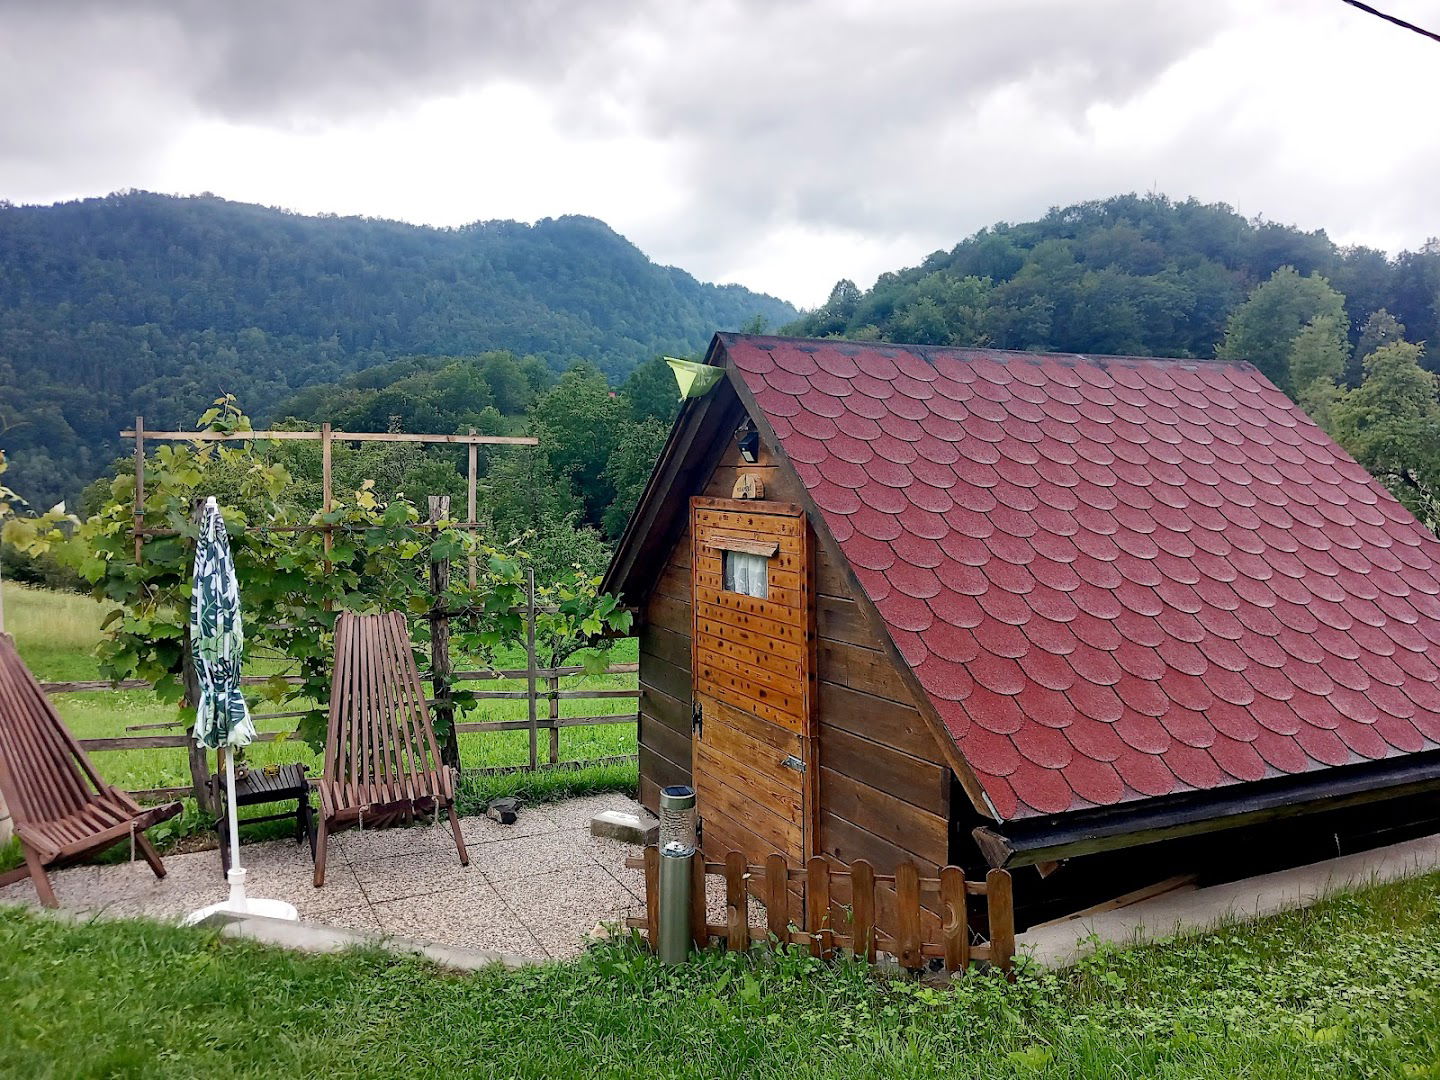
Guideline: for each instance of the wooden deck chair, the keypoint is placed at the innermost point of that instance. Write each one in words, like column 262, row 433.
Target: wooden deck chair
column 63, row 810
column 382, row 765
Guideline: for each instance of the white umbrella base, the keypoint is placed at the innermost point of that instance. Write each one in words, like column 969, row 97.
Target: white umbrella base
column 240, row 904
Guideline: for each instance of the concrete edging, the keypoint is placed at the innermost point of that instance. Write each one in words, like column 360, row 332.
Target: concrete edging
column 1249, row 898
column 314, row 937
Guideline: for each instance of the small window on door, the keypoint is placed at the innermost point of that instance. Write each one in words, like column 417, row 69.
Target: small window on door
column 747, row 574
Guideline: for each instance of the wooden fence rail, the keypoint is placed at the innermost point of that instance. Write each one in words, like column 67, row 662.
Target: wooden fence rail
column 827, row 926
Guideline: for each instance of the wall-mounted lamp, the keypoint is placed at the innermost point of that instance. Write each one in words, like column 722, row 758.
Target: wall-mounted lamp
column 748, row 439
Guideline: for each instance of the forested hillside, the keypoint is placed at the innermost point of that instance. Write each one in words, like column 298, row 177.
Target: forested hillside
column 1127, row 275
column 151, row 304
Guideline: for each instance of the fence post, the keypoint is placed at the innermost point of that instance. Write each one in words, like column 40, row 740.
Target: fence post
column 190, row 683
column 471, row 478
column 777, row 897
column 1000, row 904
column 199, row 761
column 530, row 667
column 554, row 686
column 956, row 927
column 440, row 668
column 907, row 915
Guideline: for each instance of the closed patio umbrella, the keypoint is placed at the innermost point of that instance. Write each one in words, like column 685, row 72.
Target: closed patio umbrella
column 222, row 718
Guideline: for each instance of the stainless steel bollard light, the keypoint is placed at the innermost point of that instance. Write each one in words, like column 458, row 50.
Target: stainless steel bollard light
column 677, row 854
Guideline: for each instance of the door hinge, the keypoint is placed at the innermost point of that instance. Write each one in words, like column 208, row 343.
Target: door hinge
column 793, row 762
column 697, row 720
column 699, row 828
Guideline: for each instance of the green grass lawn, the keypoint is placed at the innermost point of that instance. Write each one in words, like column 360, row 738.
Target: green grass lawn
column 1350, row 988
column 56, row 634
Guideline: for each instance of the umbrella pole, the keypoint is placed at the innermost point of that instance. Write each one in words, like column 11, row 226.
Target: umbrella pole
column 236, row 876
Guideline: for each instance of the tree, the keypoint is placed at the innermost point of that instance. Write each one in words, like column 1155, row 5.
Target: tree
column 650, row 392
column 1318, row 353
column 1263, row 328
column 629, row 470
column 1381, row 328
column 578, row 424
column 1391, row 424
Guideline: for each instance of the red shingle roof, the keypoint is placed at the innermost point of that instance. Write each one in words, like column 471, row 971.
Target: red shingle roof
column 1115, row 577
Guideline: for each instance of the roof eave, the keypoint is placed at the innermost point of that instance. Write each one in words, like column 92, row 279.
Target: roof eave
column 1111, row 828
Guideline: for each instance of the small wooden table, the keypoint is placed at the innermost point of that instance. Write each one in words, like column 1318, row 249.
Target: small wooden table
column 259, row 786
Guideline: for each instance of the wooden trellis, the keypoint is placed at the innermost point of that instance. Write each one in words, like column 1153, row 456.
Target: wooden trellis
column 443, row 679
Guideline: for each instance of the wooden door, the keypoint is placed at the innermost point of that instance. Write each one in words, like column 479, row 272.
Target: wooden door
column 753, row 742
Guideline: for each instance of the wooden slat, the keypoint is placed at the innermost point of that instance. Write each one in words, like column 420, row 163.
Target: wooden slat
column 652, row 896
column 698, row 904
column 340, row 436
column 956, row 926
column 765, row 548
column 862, row 906
column 817, row 905
column 907, row 915
column 1000, row 905
column 737, row 903
column 777, row 897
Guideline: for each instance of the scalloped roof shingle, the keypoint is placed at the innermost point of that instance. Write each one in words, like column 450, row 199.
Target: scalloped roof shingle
column 1115, row 577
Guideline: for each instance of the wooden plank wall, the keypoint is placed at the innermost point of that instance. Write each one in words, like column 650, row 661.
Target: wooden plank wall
column 884, row 785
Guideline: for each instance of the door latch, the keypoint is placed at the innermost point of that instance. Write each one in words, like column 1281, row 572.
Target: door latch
column 793, row 762
column 697, row 720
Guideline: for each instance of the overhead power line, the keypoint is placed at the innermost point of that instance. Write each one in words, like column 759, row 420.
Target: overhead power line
column 1393, row 19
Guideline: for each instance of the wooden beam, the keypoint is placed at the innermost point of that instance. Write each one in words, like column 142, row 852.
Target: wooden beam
column 342, row 436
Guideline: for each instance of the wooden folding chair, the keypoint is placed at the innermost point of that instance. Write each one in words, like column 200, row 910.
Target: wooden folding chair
column 63, row 810
column 382, row 765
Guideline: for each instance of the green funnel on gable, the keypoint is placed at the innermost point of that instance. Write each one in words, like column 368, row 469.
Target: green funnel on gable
column 695, row 379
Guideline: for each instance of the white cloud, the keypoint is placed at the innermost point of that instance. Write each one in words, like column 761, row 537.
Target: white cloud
column 781, row 145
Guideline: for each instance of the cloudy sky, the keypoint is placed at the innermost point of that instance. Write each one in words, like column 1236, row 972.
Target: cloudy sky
column 779, row 143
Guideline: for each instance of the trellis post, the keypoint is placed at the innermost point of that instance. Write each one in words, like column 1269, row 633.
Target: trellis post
column 471, row 478
column 530, row 666
column 440, row 668
column 139, row 489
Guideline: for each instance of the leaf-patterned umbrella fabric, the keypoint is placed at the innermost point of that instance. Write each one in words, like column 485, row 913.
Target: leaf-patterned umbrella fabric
column 217, row 640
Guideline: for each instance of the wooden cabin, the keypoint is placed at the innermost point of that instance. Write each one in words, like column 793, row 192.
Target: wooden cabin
column 1108, row 617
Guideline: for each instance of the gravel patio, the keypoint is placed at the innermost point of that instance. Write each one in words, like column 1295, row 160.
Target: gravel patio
column 533, row 889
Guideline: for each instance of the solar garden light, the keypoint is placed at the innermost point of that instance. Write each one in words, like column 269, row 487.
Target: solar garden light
column 677, row 854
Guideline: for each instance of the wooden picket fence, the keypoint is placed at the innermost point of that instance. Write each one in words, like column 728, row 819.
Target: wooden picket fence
column 831, row 925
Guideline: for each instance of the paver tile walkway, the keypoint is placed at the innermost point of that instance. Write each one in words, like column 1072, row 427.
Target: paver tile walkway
column 536, row 888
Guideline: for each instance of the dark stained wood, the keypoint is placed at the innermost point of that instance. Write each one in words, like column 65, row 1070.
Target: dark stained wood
column 62, row 808
column 667, row 678
column 878, row 719
column 381, row 757
column 906, row 826
column 848, row 842
column 737, row 903
column 921, row 783
column 839, row 619
column 661, row 739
